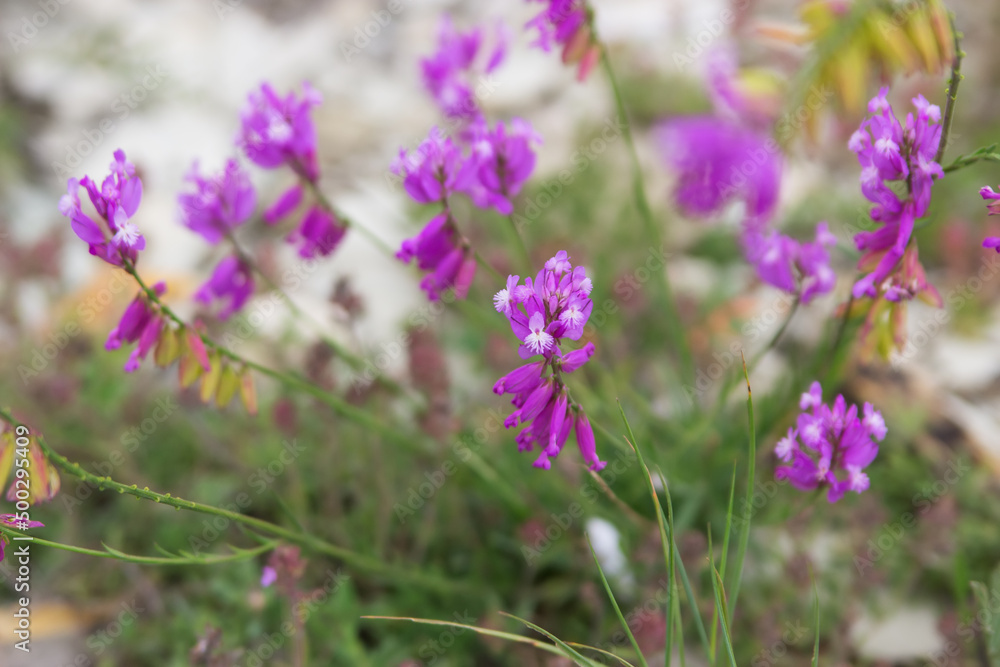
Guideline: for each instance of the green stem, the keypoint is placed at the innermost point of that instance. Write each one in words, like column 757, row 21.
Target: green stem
column 675, row 329
column 360, row 561
column 949, row 107
column 182, row 559
column 339, row 405
column 353, row 360
column 522, row 247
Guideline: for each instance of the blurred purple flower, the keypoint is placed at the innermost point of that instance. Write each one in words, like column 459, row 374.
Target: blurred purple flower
column 219, row 202
column 434, row 170
column 790, row 265
column 450, row 74
column 233, row 280
column 439, row 250
column 721, row 161
column 830, row 447
column 277, row 131
column 141, row 323
column 565, row 22
column 319, row 233
column 502, row 160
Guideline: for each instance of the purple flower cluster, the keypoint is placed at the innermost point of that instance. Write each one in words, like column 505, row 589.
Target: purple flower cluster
column 116, row 201
column 440, row 250
column 488, row 164
column 790, row 265
column 233, row 280
column 720, row 161
column 565, row 22
column 993, row 206
column 219, row 203
column 141, row 322
column 556, row 305
column 890, row 152
column 450, row 74
column 830, row 446
column 276, row 131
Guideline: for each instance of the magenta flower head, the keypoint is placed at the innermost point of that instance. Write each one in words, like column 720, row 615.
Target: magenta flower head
column 439, row 249
column 718, row 162
column 232, row 280
column 555, row 306
column 795, row 267
column 218, row 203
column 565, row 22
column 142, row 323
column 276, row 131
column 890, row 152
column 434, row 170
column 116, row 238
column 502, row 160
column 461, row 59
column 830, row 447
column 319, row 233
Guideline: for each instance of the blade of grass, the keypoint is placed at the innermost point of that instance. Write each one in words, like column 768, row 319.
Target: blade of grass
column 602, row 652
column 745, row 527
column 618, row 611
column 815, row 660
column 482, row 631
column 573, row 654
column 725, row 551
column 720, row 604
column 666, row 526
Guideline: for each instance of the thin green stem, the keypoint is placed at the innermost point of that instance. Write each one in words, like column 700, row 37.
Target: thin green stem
column 522, row 247
column 678, row 338
column 339, row 405
column 360, row 561
column 956, row 78
column 182, row 559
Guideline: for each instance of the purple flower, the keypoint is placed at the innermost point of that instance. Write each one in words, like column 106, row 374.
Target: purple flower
column 219, row 202
column 233, row 280
column 141, row 322
column 541, row 313
column 284, row 205
column 451, row 72
column 502, row 161
column 993, row 206
column 992, row 242
column 277, row 131
column 792, row 266
column 830, row 446
column 565, row 22
column 434, row 170
column 449, row 259
column 720, row 161
column 890, row 152
column 319, row 233
column 116, row 201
